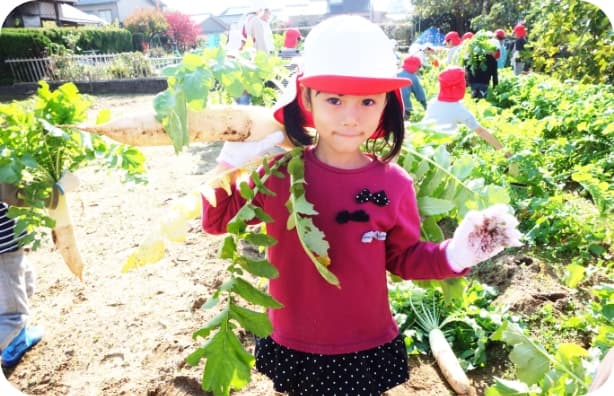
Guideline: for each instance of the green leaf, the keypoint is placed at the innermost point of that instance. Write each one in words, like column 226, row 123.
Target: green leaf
column 302, row 206
column 255, row 296
column 503, row 387
column 229, row 248
column 259, row 239
column 431, row 230
column 245, row 191
column 531, row 362
column 313, row 237
column 256, row 322
column 259, row 267
column 228, row 364
column 430, row 206
column 103, row 116
column 211, row 325
column 574, row 274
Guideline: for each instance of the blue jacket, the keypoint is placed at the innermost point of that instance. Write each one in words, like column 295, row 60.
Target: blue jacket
column 415, row 87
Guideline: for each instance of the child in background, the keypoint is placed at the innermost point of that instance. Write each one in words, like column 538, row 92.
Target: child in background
column 480, row 77
column 503, row 51
column 411, row 65
column 447, row 111
column 452, row 41
column 292, row 37
column 328, row 340
column 518, row 63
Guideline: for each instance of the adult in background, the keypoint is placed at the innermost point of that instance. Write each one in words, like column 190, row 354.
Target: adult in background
column 409, row 70
column 518, row 63
column 258, row 29
column 447, row 111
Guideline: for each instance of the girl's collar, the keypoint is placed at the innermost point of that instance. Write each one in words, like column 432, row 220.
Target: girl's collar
column 311, row 157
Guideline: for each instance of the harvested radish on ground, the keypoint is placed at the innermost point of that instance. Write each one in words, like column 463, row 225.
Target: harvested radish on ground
column 429, row 319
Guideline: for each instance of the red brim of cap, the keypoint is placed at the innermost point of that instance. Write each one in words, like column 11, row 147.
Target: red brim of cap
column 354, row 85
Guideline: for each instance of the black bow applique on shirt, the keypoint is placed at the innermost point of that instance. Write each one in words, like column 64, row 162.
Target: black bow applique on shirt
column 379, row 198
column 344, row 216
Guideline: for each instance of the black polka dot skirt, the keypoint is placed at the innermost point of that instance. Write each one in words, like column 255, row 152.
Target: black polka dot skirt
column 369, row 372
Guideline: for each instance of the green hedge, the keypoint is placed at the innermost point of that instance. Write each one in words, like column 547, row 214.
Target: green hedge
column 36, row 42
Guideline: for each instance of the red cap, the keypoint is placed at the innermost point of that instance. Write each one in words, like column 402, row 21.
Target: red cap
column 452, row 84
column 467, row 36
column 412, row 63
column 520, row 31
column 500, row 33
column 453, row 37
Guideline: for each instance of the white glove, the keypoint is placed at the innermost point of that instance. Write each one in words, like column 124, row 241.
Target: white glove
column 236, row 154
column 481, row 235
column 68, row 182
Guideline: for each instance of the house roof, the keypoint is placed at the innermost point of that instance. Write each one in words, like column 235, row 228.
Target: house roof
column 95, row 2
column 71, row 14
column 213, row 24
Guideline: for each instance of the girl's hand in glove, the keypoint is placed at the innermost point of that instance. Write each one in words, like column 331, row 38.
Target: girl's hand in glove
column 236, row 154
column 481, row 235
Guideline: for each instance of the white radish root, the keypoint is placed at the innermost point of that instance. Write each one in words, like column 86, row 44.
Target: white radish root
column 63, row 236
column 448, row 363
column 230, row 123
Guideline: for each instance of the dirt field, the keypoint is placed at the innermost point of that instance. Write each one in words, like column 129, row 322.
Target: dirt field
column 129, row 334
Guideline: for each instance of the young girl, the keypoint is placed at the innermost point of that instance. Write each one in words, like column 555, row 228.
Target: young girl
column 328, row 340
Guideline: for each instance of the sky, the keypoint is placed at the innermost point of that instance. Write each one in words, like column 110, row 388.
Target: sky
column 192, row 7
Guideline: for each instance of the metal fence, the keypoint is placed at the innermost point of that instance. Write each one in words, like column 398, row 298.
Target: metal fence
column 86, row 67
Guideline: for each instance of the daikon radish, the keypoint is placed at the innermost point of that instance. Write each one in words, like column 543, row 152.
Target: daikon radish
column 212, row 124
column 63, row 236
column 429, row 319
column 448, row 363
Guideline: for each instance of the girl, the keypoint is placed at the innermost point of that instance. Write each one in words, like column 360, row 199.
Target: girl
column 328, row 340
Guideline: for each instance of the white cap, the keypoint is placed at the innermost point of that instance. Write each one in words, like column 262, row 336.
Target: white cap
column 352, row 47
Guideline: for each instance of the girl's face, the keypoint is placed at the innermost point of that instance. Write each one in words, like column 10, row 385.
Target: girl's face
column 343, row 123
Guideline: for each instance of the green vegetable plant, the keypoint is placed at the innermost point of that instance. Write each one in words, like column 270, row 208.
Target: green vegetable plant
column 473, row 51
column 35, row 150
column 538, row 371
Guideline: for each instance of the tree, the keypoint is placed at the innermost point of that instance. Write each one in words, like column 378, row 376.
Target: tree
column 501, row 15
column 571, row 39
column 147, row 22
column 459, row 12
column 181, row 30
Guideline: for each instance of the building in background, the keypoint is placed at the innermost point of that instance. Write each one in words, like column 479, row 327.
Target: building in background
column 117, row 10
column 29, row 13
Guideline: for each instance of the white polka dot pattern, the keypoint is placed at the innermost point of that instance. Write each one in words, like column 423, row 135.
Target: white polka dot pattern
column 364, row 373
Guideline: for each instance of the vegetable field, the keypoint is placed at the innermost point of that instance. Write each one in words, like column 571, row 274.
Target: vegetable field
column 129, row 334
column 534, row 320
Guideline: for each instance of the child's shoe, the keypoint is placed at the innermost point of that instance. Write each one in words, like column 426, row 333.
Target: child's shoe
column 26, row 339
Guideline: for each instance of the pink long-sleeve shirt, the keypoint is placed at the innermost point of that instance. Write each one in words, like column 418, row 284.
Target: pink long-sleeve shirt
column 318, row 317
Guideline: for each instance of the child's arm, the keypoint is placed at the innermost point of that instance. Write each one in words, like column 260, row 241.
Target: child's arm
column 232, row 157
column 488, row 137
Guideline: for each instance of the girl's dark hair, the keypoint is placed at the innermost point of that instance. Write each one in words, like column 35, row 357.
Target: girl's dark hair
column 391, row 123
column 294, row 121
